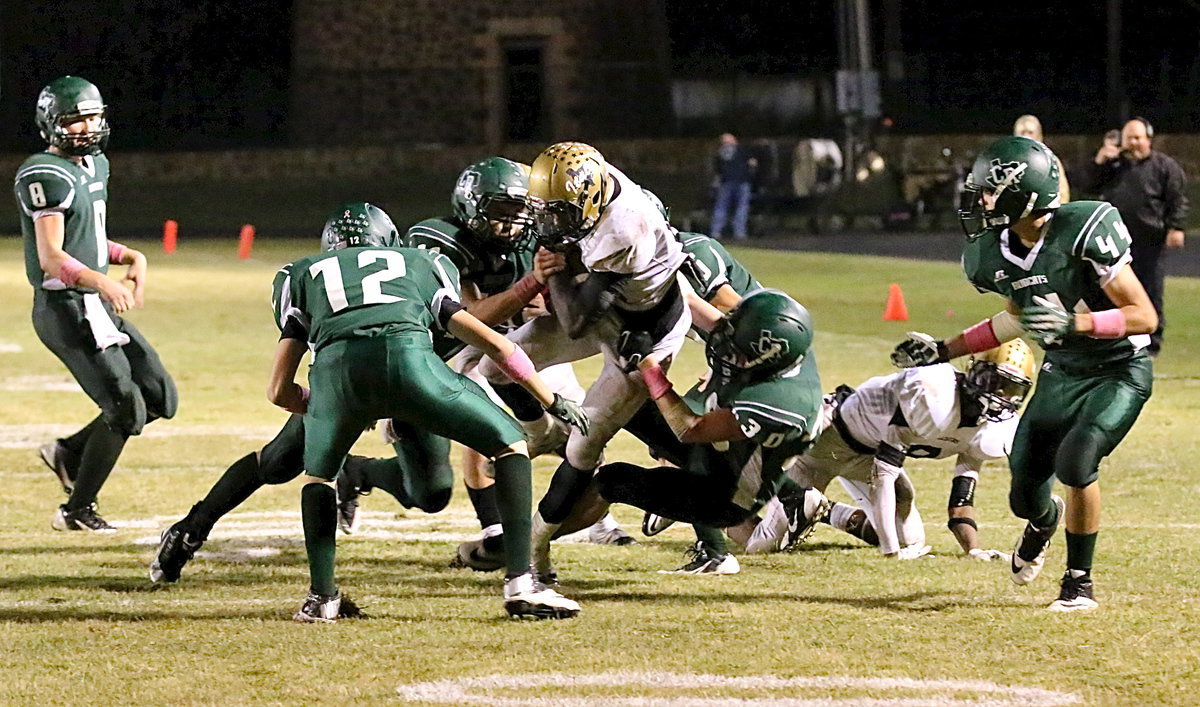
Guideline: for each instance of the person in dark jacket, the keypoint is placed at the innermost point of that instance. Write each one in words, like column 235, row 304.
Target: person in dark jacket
column 733, row 172
column 1147, row 187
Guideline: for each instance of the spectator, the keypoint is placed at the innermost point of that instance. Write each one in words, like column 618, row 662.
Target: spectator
column 1029, row 126
column 733, row 170
column 1147, row 187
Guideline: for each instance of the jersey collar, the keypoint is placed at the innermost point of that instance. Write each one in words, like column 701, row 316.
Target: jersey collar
column 1024, row 263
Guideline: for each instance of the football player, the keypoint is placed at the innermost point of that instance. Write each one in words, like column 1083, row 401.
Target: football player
column 729, row 438
column 511, row 276
column 62, row 193
column 934, row 412
column 502, row 273
column 629, row 259
column 1063, row 270
column 368, row 311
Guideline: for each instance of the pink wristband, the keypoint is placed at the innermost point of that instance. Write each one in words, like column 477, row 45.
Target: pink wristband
column 527, row 287
column 656, row 381
column 1108, row 324
column 70, row 271
column 516, row 365
column 115, row 252
column 305, row 393
column 980, row 337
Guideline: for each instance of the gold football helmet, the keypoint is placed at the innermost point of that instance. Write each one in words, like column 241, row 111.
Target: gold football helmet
column 1001, row 377
column 569, row 187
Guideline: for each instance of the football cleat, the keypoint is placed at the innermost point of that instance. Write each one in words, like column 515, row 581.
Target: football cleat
column 85, row 518
column 323, row 609
column 526, row 597
column 54, row 454
column 913, row 552
column 1030, row 553
column 178, row 545
column 654, row 524
column 705, row 561
column 474, row 554
column 802, row 510
column 1077, row 594
column 349, row 488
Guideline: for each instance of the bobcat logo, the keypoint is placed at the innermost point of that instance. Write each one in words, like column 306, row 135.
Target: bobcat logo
column 466, row 185
column 1003, row 175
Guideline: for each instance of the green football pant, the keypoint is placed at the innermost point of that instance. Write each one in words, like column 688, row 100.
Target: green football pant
column 128, row 382
column 1075, row 419
column 357, row 381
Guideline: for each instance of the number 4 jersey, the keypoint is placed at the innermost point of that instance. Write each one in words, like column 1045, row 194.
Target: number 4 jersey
column 1082, row 248
column 48, row 183
column 364, row 292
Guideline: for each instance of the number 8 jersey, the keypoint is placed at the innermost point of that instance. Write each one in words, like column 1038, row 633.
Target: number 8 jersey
column 1083, row 247
column 355, row 292
column 48, row 183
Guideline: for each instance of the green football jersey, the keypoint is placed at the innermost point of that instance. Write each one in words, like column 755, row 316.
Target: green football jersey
column 778, row 416
column 712, row 266
column 490, row 271
column 1082, row 249
column 347, row 293
column 49, row 183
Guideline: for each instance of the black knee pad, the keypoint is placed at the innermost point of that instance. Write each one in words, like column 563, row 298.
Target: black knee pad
column 1026, row 503
column 962, row 492
column 566, row 487
column 165, row 401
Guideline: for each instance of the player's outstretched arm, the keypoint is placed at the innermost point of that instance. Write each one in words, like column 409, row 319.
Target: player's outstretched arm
column 516, row 365
column 718, row 425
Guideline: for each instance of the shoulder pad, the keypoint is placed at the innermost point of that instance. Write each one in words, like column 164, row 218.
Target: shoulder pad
column 440, row 236
column 44, row 186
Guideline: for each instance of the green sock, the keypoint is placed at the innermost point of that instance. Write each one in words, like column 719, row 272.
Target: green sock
column 514, row 494
column 1080, row 550
column 713, row 538
column 99, row 457
column 238, row 482
column 318, row 510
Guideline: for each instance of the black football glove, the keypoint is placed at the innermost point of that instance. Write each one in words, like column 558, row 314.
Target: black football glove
column 632, row 347
column 569, row 412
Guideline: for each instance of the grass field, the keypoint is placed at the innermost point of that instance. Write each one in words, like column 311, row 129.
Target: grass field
column 832, row 624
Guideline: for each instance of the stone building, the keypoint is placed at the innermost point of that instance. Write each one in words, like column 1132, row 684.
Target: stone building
column 476, row 72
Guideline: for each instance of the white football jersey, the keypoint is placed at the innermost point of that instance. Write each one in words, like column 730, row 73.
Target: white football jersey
column 632, row 238
column 917, row 410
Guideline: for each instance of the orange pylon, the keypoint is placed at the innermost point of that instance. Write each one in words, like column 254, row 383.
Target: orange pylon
column 895, row 310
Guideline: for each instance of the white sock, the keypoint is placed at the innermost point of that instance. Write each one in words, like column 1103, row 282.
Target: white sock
column 606, row 523
column 839, row 517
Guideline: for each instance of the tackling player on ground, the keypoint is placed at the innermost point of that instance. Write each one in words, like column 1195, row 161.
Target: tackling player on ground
column 1064, row 273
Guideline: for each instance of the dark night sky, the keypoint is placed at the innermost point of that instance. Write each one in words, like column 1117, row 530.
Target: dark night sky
column 215, row 72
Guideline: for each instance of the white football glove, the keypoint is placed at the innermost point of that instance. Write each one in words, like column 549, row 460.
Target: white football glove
column 919, row 349
column 912, row 552
column 982, row 555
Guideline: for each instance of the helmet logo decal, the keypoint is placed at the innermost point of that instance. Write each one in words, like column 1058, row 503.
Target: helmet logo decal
column 467, row 182
column 45, row 102
column 580, row 179
column 1003, row 175
column 767, row 346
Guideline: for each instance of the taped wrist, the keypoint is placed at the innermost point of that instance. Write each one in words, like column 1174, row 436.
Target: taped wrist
column 116, row 251
column 656, row 381
column 1108, row 324
column 526, row 287
column 955, row 522
column 70, row 271
column 516, row 365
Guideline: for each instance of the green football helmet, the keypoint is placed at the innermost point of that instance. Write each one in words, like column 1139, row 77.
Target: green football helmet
column 359, row 224
column 1022, row 173
column 767, row 333
column 490, row 198
column 63, row 101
